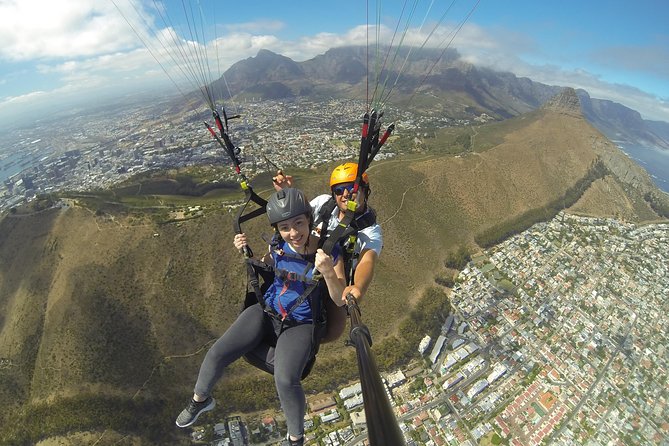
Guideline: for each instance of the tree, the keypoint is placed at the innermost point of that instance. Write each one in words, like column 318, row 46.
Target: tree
column 445, row 280
column 458, row 259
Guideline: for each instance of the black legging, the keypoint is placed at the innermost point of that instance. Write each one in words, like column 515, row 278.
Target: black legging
column 293, row 348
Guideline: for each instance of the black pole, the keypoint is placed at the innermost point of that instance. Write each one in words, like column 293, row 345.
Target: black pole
column 382, row 427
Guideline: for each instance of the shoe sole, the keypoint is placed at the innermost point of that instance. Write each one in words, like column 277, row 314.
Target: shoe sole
column 207, row 408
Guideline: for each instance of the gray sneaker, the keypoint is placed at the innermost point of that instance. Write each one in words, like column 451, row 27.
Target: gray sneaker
column 189, row 415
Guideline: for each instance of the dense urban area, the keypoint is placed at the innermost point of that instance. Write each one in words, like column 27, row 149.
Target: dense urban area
column 98, row 150
column 557, row 336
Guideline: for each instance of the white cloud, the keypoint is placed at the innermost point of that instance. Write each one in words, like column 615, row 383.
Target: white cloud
column 89, row 45
column 503, row 50
column 650, row 106
column 23, row 98
column 44, row 29
column 649, row 59
column 239, row 45
column 15, row 108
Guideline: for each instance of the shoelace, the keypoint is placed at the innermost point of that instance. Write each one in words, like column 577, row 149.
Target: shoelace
column 193, row 405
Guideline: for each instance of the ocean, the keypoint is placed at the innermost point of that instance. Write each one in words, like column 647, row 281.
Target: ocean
column 10, row 164
column 655, row 161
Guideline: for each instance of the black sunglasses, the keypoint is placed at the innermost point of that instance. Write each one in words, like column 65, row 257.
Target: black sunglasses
column 340, row 188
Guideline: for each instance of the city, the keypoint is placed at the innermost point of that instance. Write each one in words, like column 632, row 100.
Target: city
column 97, row 151
column 558, row 337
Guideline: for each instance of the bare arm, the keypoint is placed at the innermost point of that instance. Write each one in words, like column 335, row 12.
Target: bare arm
column 333, row 275
column 364, row 273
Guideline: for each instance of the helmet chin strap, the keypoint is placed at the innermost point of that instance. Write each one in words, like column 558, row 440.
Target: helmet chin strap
column 306, row 244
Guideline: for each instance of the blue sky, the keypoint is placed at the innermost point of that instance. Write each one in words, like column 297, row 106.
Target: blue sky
column 58, row 51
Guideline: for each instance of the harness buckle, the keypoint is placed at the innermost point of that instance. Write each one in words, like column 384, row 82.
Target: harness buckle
column 349, row 246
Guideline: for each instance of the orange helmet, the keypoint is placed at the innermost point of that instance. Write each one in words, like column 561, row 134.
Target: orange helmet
column 346, row 173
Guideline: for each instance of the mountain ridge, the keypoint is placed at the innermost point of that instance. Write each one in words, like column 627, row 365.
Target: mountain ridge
column 480, row 90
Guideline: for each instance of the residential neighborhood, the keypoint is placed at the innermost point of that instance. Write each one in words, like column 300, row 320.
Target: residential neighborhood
column 558, row 337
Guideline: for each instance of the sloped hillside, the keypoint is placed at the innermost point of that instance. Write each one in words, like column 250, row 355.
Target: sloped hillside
column 104, row 319
column 92, row 304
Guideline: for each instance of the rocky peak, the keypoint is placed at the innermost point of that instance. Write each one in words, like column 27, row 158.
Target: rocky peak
column 565, row 102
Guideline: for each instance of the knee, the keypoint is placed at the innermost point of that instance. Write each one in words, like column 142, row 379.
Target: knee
column 213, row 355
column 287, row 380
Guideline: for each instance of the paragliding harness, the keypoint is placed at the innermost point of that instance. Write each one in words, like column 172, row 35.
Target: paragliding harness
column 316, row 292
column 262, row 356
column 348, row 237
column 260, row 276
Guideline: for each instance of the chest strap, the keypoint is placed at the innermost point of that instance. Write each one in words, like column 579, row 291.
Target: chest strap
column 253, row 266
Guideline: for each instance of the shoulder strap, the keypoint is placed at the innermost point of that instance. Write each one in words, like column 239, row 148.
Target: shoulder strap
column 349, row 226
column 367, row 219
column 278, row 245
column 311, row 283
column 255, row 268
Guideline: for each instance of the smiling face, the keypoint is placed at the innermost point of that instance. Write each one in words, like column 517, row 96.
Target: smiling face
column 344, row 192
column 295, row 231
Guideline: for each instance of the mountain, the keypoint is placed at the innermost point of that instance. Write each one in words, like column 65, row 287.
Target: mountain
column 343, row 72
column 105, row 313
column 450, row 86
column 339, row 65
column 267, row 75
column 620, row 123
column 660, row 128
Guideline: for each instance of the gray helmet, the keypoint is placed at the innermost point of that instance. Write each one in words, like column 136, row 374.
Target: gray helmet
column 285, row 204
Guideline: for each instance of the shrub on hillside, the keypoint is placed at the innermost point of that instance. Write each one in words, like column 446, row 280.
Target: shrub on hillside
column 426, row 318
column 445, row 280
column 661, row 207
column 458, row 259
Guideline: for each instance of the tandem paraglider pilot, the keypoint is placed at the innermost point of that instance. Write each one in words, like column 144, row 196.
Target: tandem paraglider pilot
column 363, row 232
column 285, row 314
